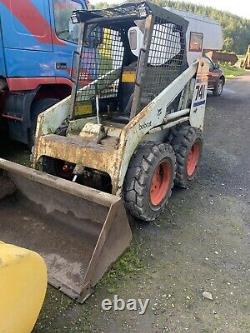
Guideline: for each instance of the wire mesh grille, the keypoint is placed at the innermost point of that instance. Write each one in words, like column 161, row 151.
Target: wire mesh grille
column 165, row 59
column 136, row 9
column 101, row 63
column 104, row 55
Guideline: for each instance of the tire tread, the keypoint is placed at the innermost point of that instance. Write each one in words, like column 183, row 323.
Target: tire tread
column 138, row 173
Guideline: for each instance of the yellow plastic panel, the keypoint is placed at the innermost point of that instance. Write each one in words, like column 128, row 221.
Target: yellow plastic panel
column 83, row 108
column 23, row 284
column 128, row 77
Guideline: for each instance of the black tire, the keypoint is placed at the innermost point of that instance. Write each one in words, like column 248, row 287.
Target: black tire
column 37, row 108
column 187, row 141
column 218, row 90
column 137, row 190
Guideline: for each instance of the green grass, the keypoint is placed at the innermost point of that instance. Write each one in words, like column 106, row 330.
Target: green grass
column 128, row 264
column 232, row 71
column 61, row 314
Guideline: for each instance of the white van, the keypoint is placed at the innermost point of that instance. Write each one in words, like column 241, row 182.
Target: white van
column 203, row 34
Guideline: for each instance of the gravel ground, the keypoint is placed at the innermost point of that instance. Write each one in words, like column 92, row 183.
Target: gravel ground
column 199, row 248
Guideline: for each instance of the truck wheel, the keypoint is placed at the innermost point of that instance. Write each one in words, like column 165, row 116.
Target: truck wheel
column 37, row 108
column 218, row 90
column 187, row 143
column 149, row 180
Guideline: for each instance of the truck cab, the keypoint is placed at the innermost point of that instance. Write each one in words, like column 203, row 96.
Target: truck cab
column 37, row 50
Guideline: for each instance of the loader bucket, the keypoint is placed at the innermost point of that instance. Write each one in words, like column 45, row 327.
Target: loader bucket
column 79, row 231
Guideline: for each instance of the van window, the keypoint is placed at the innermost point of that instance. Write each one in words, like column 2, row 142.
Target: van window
column 63, row 10
column 196, row 42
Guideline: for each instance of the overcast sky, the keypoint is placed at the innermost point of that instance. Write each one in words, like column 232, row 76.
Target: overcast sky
column 238, row 7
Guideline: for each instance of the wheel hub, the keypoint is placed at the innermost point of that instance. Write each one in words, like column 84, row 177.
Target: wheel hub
column 193, row 159
column 220, row 87
column 160, row 183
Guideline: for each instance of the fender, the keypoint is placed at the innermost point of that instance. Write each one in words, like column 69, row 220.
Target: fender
column 17, row 108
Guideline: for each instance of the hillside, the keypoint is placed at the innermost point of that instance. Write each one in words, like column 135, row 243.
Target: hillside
column 236, row 29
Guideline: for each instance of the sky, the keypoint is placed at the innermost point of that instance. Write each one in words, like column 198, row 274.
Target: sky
column 237, row 7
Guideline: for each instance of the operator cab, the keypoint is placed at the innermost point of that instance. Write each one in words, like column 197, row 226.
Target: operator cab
column 128, row 56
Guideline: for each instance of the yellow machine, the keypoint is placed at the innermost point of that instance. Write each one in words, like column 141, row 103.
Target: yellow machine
column 246, row 61
column 23, row 284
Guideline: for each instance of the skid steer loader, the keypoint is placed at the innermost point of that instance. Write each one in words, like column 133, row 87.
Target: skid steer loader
column 130, row 130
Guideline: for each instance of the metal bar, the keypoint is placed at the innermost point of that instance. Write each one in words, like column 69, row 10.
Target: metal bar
column 12, row 117
column 142, row 63
column 77, row 71
column 100, row 83
column 176, row 115
column 169, row 125
column 110, row 20
column 97, row 105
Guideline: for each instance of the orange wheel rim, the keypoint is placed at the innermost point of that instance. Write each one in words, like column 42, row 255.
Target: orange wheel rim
column 160, row 183
column 193, row 159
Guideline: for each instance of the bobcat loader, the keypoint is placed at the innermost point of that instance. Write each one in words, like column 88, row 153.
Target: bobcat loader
column 131, row 129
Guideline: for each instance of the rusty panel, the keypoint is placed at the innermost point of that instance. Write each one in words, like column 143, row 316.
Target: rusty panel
column 103, row 157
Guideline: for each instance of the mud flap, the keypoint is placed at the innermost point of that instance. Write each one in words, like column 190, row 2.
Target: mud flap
column 79, row 231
